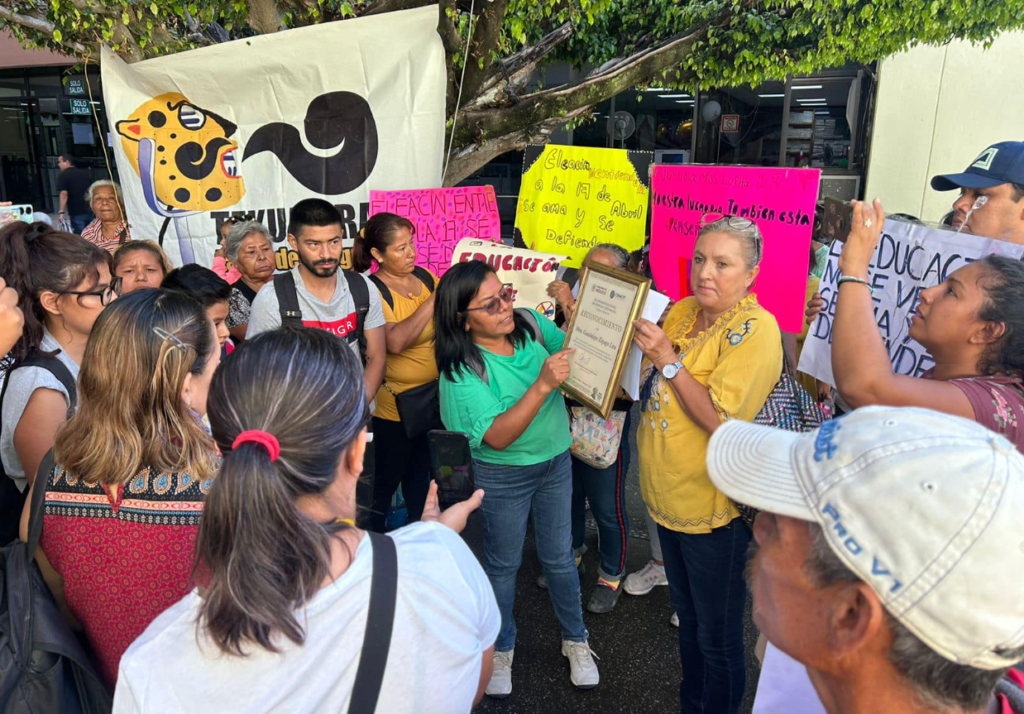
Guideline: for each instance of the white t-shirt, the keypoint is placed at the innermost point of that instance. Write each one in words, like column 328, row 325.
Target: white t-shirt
column 784, row 686
column 23, row 383
column 337, row 316
column 445, row 619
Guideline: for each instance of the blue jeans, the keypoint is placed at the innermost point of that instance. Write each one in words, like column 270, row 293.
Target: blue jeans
column 606, row 491
column 512, row 492
column 705, row 583
column 79, row 221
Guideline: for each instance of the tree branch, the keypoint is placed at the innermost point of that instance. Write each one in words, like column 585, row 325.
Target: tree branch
column 482, row 124
column 43, row 26
column 468, row 159
column 379, row 6
column 264, row 16
column 515, row 71
column 483, row 44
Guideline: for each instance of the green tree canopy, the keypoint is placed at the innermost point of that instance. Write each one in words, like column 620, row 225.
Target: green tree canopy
column 496, row 48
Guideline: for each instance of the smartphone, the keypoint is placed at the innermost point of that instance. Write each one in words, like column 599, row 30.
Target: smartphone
column 451, row 464
column 10, row 214
column 837, row 221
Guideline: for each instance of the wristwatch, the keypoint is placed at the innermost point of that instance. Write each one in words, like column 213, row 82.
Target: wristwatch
column 669, row 371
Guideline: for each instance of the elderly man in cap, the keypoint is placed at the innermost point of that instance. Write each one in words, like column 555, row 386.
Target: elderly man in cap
column 889, row 557
column 996, row 179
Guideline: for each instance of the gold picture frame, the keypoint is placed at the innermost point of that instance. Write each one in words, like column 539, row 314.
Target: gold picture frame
column 601, row 332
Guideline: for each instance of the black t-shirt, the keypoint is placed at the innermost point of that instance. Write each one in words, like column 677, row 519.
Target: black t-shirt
column 76, row 182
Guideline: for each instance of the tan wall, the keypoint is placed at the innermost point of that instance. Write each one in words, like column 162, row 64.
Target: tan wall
column 12, row 54
column 937, row 109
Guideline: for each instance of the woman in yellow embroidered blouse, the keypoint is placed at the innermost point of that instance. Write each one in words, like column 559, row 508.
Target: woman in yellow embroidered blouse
column 718, row 357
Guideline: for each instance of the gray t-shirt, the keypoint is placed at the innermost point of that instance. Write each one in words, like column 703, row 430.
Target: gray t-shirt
column 23, row 382
column 337, row 316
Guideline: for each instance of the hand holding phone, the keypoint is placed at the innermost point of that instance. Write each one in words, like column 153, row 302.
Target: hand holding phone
column 451, row 465
column 9, row 214
column 838, row 221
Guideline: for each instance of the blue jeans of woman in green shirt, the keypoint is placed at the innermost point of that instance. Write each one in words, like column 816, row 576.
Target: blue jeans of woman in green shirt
column 513, row 492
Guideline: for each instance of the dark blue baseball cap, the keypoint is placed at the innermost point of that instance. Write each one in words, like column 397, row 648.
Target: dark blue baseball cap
column 998, row 164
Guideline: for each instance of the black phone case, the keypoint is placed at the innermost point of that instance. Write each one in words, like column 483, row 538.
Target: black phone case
column 451, row 465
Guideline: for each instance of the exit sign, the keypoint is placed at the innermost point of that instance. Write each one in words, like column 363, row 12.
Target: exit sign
column 81, row 107
column 75, row 87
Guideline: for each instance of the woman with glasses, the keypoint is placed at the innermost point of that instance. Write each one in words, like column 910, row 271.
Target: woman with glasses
column 500, row 374
column 133, row 467
column 109, row 229
column 249, row 249
column 718, row 357
column 63, row 283
column 140, row 264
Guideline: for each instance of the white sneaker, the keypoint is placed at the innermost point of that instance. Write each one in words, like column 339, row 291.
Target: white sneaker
column 500, row 685
column 582, row 669
column 643, row 581
column 674, row 620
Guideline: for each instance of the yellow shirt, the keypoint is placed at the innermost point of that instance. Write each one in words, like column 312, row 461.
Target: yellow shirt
column 739, row 360
column 416, row 365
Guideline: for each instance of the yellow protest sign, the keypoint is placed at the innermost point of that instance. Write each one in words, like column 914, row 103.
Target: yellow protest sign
column 574, row 197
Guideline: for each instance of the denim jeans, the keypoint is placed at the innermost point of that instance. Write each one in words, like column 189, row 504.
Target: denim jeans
column 606, row 491
column 80, row 221
column 512, row 493
column 705, row 582
column 400, row 460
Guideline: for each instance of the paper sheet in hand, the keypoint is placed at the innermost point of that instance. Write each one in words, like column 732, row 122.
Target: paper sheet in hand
column 655, row 305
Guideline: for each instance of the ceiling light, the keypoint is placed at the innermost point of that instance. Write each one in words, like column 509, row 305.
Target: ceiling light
column 796, row 87
column 771, row 96
column 672, row 96
column 684, row 101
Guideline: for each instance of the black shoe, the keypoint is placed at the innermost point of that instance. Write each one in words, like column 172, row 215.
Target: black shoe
column 603, row 598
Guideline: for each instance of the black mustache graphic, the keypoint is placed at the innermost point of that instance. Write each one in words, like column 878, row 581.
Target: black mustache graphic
column 331, row 119
column 196, row 162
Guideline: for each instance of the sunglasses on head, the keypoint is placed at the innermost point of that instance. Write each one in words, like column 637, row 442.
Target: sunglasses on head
column 493, row 306
column 739, row 223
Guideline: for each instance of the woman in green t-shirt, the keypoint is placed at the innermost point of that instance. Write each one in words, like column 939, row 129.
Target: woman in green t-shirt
column 499, row 385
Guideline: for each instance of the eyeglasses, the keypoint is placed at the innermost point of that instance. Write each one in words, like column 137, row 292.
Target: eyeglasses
column 106, row 295
column 493, row 306
column 740, row 224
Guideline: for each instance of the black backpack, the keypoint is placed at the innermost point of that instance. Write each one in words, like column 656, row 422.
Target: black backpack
column 291, row 313
column 11, row 499
column 385, row 292
column 43, row 666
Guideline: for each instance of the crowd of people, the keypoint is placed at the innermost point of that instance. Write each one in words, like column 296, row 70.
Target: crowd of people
column 218, row 450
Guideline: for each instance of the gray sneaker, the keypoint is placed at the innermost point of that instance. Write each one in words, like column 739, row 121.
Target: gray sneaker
column 603, row 598
column 646, row 579
column 500, row 685
column 582, row 668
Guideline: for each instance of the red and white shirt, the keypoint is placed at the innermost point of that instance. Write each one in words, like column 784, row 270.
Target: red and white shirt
column 337, row 315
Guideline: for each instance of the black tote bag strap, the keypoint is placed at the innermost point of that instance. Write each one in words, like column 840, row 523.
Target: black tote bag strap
column 380, row 622
column 35, row 519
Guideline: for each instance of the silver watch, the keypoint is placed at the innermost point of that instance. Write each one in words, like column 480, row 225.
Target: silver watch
column 669, row 371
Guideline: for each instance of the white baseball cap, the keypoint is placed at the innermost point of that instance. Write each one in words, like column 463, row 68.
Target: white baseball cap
column 926, row 508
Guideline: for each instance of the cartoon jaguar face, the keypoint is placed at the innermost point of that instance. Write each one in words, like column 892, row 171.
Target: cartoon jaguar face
column 183, row 154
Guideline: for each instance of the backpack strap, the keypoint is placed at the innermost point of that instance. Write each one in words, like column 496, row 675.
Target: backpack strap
column 361, row 298
column 288, row 299
column 425, row 277
column 1013, row 692
column 385, row 291
column 531, row 323
column 35, row 519
column 380, row 620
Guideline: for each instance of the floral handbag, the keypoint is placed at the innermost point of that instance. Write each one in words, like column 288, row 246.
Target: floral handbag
column 595, row 441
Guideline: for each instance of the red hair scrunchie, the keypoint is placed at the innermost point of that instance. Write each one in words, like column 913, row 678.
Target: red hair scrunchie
column 257, row 436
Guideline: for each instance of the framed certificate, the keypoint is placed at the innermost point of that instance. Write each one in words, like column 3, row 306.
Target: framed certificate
column 601, row 333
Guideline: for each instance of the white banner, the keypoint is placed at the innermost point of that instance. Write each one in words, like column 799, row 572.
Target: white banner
column 909, row 258
column 528, row 272
column 251, row 127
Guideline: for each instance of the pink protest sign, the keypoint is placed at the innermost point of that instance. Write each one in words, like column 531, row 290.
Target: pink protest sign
column 780, row 201
column 443, row 217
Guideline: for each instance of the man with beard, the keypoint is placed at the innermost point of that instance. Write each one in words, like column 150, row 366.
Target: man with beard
column 311, row 294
